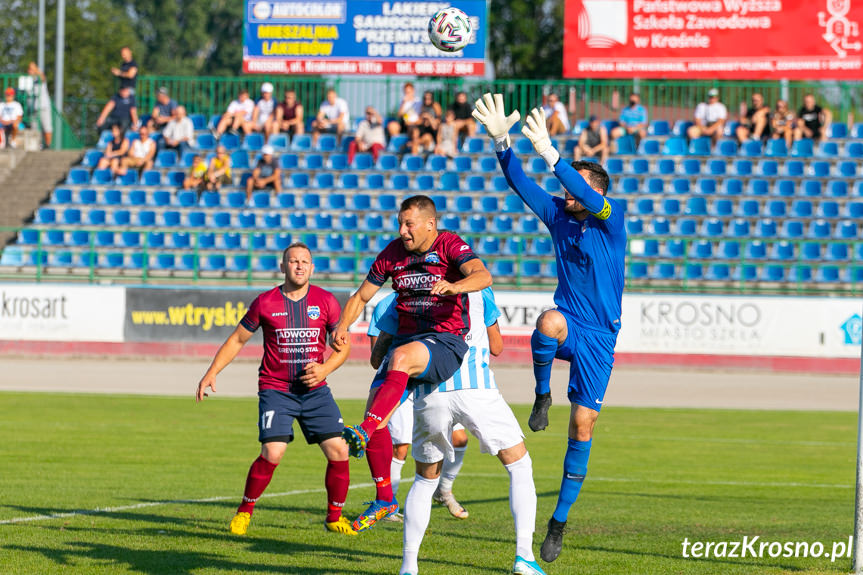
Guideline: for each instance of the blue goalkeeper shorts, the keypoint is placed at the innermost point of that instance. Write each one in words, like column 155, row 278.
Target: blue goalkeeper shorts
column 590, row 352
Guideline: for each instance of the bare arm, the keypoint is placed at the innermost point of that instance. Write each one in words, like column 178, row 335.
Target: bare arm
column 224, row 356
column 476, row 278
column 352, row 310
column 134, row 114
column 495, row 339
column 105, row 112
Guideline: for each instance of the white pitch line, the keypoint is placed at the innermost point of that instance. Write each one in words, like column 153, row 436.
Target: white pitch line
column 99, row 510
column 690, row 481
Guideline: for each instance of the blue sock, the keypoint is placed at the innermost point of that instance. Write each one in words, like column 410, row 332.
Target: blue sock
column 543, row 348
column 574, row 470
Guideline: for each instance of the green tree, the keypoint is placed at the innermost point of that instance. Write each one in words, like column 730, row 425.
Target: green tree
column 526, row 38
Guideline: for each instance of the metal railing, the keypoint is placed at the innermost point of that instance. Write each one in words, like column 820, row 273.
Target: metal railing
column 149, row 273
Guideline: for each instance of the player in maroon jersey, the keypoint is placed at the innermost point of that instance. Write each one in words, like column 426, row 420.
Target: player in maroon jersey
column 296, row 318
column 432, row 272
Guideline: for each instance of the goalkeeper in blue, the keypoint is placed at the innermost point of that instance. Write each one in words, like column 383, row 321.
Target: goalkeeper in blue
column 589, row 239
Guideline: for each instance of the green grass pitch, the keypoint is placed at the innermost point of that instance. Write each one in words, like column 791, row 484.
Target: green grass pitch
column 655, row 477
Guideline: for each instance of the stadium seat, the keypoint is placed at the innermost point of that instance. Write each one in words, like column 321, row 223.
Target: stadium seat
column 748, row 209
column 700, row 147
column 221, row 220
column 711, row 228
column 639, row 166
column 205, row 142
column 102, row 177
column 240, row 160
column 674, row 147
column 740, row 228
column 87, row 196
column 424, row 183
column 298, row 221
column 614, row 166
column 530, row 268
column 440, row 202
column 838, row 252
column 665, row 166
column 326, row 143
column 837, row 189
column 732, row 187
column 782, row 251
column 254, row 142
column 654, row 186
column 716, row 167
column 818, row 229
column 627, row 185
column 644, row 207
column 742, row 167
column 363, row 161
column 694, row 272
column 412, row 163
column 827, row 274
column 755, row 250
column 717, row 272
column 853, row 210
column 477, row 224
column 696, row 206
column 838, row 130
column 337, row 162
column 784, row 188
column 663, row 271
column 196, row 219
column 436, row 163
column 768, row 168
column 777, row 148
column 701, row 249
column 660, row 226
column 846, row 230
column 398, row 142
column 170, row 218
column 722, row 208
column 280, row 143
column 301, row 143
column 670, row 207
column 503, row 224
column 707, row 186
column 828, row 150
column 750, row 149
column 726, row 148
column 766, row 228
column 819, row 169
column 649, row 147
column 324, row 181
column 680, row 127
column 801, row 208
column 449, row 181
column 854, row 150
column 473, row 145
column 503, row 268
column 289, row 161
column 772, row 273
column 451, row 222
column 792, row 229
column 674, row 249
column 775, row 209
column 166, row 159
column 634, row 226
column 846, row 169
column 313, row 162
column 811, row 188
column 121, row 218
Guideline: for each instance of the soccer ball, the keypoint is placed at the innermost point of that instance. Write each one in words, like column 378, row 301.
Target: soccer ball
column 449, row 30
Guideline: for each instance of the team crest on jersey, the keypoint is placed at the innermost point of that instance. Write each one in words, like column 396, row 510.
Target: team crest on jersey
column 313, row 311
column 432, row 258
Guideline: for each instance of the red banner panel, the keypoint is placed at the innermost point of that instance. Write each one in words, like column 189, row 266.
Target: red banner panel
column 728, row 39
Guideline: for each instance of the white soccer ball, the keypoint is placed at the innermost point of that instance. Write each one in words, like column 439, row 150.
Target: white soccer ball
column 450, row 30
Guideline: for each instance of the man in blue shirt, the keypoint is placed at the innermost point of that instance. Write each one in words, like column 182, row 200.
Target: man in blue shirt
column 633, row 121
column 589, row 239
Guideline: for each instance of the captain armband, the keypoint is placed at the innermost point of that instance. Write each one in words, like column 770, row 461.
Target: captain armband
column 605, row 212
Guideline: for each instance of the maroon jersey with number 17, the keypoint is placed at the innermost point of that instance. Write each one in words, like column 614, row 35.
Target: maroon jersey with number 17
column 295, row 334
column 413, row 276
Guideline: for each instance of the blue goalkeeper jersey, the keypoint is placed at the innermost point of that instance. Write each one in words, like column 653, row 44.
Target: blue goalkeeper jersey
column 590, row 254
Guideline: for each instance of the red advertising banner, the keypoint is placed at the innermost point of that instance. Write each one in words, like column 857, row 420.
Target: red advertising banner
column 727, row 39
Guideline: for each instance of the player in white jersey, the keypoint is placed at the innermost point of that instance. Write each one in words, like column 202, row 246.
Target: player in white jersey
column 401, row 426
column 472, row 399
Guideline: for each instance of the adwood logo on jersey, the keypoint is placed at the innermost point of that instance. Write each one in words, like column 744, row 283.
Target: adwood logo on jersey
column 418, row 281
column 296, row 336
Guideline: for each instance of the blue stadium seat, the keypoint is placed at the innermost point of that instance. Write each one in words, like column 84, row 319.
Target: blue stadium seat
column 674, row 249
column 101, row 177
column 451, row 222
column 670, row 206
column 397, row 143
column 659, row 128
column 160, row 198
column 811, row 188
column 644, row 207
column 503, row 268
column 436, row 163
column 96, row 217
column 707, row 186
column 663, row 271
column 473, row 145
column 784, row 188
column 530, row 268
column 746, row 272
column 828, row 150
column 639, row 166
column 528, row 224
column 801, row 208
column 614, row 166
column 627, row 185
column 61, row 196
column 254, row 142
column 488, row 246
column 130, row 178
column 827, row 274
column 665, row 166
column 696, row 206
column 782, row 251
column 716, row 167
column 775, row 209
column 674, row 147
column 170, row 218
column 240, row 160
column 398, row 182
column 726, row 147
column 196, row 219
column 503, row 224
column 766, row 228
column 512, row 204
column 694, row 272
column 651, row 248
column 538, row 166
column 634, row 226
column 449, row 182
column 424, row 183
column 523, row 146
column 846, row 169
column 717, row 272
column 46, row 216
column 300, row 180
column 680, row 186
column 819, row 169
column 121, row 218
column 87, row 260
column 804, row 148
column 188, row 159
column 837, row 189
column 777, row 148
column 477, row 224
column 794, row 168
column 701, row 249
column 712, row 228
column 324, row 181
column 230, row 141
column 853, row 210
column 440, row 202
column 166, row 159
column 71, row 216
column 742, row 167
column 740, row 227
column 818, row 229
column 687, row 227
column 748, row 209
column 838, row 252
column 654, row 186
column 846, row 230
column 205, row 142
column 853, row 150
column 801, row 274
column 337, row 162
column 810, row 251
column 772, row 273
column 412, row 163
column 326, row 143
column 750, row 149
column 722, row 208
column 649, row 147
column 756, row 250
column 660, row 226
column 700, row 147
column 91, row 158
column 54, row 237
column 768, row 168
column 87, row 196
column 680, row 127
column 289, row 161
column 732, row 187
column 838, row 130
column 792, row 229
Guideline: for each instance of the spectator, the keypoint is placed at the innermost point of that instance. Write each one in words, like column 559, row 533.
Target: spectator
column 556, row 116
column 141, row 154
column 812, row 120
column 197, row 174
column 42, row 103
column 289, row 115
column 121, row 109
column 163, row 111
column 408, row 113
column 264, row 116
column 238, row 116
column 710, row 118
column 333, row 117
column 115, row 151
column 219, row 171
column 425, row 134
column 633, row 121
column 266, row 173
column 128, row 70
column 755, row 123
column 179, row 134
column 782, row 123
column 11, row 114
column 447, row 136
column 370, row 136
column 593, row 142
column 465, row 125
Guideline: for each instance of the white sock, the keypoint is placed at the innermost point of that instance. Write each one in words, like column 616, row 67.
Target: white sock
column 396, row 474
column 450, row 469
column 522, row 503
column 418, row 506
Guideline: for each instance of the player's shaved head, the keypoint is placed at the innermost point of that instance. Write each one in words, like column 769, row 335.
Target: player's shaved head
column 422, row 203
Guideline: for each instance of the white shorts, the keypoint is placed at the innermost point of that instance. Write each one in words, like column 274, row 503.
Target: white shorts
column 483, row 412
column 401, row 424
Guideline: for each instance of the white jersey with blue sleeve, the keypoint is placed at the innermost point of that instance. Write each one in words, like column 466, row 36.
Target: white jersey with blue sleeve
column 380, row 314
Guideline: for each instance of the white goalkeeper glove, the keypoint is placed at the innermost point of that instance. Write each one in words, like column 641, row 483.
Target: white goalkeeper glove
column 489, row 112
column 536, row 131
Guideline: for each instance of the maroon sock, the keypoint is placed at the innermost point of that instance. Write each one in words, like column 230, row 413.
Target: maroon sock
column 259, row 477
column 379, row 452
column 386, row 400
column 337, row 480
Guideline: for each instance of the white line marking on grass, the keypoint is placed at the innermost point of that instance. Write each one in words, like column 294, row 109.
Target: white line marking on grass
column 99, row 510
column 691, row 482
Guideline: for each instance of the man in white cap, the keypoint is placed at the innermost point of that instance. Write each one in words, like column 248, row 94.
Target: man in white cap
column 710, row 117
column 163, row 111
column 264, row 116
column 266, row 173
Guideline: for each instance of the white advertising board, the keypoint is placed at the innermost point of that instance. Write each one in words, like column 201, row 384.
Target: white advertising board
column 58, row 312
column 716, row 325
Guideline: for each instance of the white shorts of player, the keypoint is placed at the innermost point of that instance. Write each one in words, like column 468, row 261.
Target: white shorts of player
column 401, row 424
column 483, row 412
